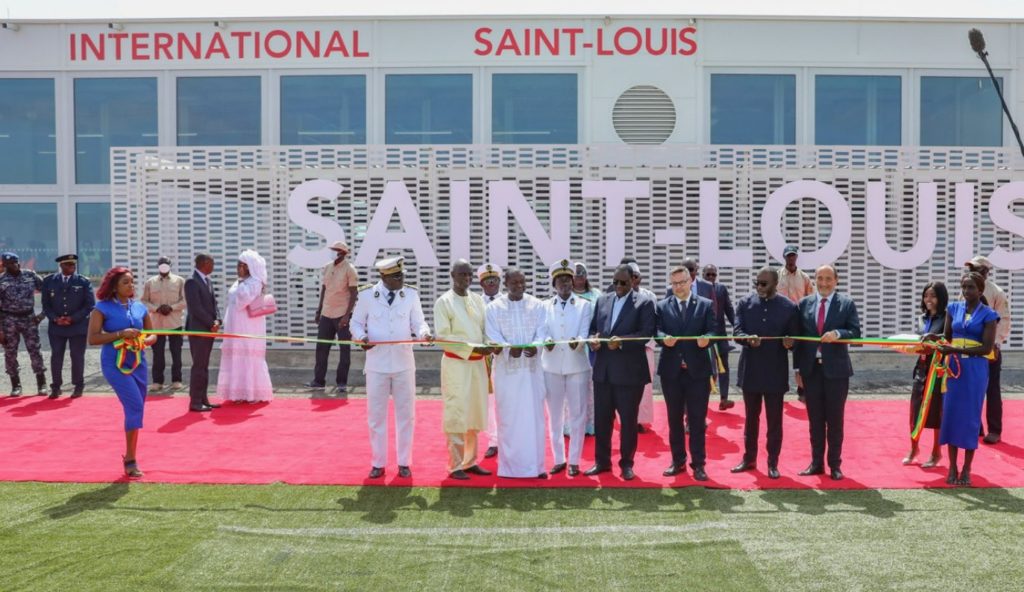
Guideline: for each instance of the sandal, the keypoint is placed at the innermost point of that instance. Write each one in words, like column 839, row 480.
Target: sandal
column 131, row 468
column 931, row 462
column 964, row 480
column 953, row 478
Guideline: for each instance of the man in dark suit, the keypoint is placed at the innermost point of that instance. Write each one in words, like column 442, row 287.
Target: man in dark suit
column 764, row 367
column 620, row 369
column 721, row 308
column 67, row 301
column 824, row 369
column 685, row 370
column 201, row 302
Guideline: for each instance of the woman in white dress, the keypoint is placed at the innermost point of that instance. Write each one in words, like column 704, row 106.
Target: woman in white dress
column 244, row 376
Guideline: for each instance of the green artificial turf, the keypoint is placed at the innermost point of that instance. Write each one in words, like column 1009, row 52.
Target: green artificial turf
column 277, row 537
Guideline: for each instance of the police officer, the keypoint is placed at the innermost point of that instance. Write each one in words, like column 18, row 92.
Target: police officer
column 67, row 302
column 389, row 311
column 18, row 319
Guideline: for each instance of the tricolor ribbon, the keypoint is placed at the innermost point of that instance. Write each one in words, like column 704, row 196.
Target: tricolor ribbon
column 937, row 373
column 134, row 346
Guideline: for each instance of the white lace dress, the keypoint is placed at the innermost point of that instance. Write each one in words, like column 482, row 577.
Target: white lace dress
column 243, row 362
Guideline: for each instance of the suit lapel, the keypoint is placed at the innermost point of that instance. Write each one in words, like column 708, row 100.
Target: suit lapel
column 627, row 306
column 833, row 310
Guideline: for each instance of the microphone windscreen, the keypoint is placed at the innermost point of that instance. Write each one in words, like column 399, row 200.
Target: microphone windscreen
column 977, row 40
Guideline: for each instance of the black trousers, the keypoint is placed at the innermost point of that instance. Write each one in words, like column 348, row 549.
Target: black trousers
column 772, row 403
column 723, row 376
column 826, row 411
column 328, row 329
column 610, row 399
column 159, row 357
column 199, row 376
column 58, row 345
column 994, row 396
column 687, row 396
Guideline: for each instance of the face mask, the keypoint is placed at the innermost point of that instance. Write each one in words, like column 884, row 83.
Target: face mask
column 164, row 268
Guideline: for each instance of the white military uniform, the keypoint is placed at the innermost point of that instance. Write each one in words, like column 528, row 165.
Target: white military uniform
column 566, row 373
column 390, row 369
column 645, row 414
column 484, row 271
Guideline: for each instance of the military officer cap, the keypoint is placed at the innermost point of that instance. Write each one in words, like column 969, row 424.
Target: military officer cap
column 390, row 266
column 72, row 258
column 8, row 256
column 488, row 270
column 563, row 267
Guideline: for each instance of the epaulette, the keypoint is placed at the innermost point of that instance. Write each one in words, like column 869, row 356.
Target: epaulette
column 410, row 286
column 364, row 287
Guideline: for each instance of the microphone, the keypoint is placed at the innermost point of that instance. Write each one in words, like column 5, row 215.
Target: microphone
column 977, row 41
column 978, row 46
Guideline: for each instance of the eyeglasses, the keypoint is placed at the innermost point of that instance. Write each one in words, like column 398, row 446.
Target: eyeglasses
column 621, row 282
column 681, row 283
column 761, row 284
column 709, row 274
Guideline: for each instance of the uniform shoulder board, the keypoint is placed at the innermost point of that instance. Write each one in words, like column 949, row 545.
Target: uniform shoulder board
column 364, row 287
column 410, row 286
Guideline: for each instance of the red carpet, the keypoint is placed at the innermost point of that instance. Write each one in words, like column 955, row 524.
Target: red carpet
column 323, row 441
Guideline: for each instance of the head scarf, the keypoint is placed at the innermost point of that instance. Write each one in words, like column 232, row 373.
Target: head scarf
column 257, row 265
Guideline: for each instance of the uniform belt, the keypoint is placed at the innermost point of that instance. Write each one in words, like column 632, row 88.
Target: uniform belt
column 16, row 314
column 472, row 357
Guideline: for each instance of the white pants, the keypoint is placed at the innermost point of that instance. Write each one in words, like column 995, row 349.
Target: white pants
column 646, row 414
column 492, row 421
column 400, row 386
column 566, row 392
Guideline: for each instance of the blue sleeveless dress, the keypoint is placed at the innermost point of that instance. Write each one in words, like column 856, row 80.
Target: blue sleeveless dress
column 130, row 388
column 965, row 394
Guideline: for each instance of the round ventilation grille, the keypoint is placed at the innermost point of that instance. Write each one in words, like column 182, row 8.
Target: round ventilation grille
column 644, row 115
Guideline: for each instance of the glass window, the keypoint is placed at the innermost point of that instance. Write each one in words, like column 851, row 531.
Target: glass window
column 323, row 110
column 30, row 231
column 753, row 109
column 219, row 111
column 428, row 108
column 28, row 137
column 92, row 227
column 857, row 110
column 534, row 109
column 960, row 111
column 111, row 112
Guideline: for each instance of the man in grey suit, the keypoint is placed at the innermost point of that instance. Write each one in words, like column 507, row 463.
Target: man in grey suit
column 824, row 369
column 201, row 302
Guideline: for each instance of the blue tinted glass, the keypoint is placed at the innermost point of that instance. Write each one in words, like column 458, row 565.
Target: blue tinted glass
column 323, row 110
column 28, row 137
column 753, row 109
column 533, row 109
column 428, row 108
column 30, row 231
column 219, row 111
column 857, row 110
column 92, row 227
column 960, row 111
column 111, row 112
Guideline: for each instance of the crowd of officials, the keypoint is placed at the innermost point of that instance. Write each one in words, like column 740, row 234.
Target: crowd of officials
column 595, row 364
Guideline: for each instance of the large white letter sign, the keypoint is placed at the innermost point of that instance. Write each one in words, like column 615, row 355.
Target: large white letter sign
column 458, row 224
column 709, row 223
column 615, row 194
column 842, row 224
column 298, row 212
column 927, row 201
column 999, row 209
column 505, row 197
column 414, row 236
column 963, row 224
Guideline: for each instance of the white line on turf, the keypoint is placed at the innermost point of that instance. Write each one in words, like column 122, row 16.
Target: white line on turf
column 474, row 531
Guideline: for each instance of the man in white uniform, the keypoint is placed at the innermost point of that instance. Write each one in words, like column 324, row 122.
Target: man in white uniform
column 489, row 276
column 389, row 311
column 517, row 318
column 566, row 366
column 646, row 415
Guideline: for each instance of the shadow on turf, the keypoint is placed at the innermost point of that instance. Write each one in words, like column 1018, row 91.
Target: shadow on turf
column 96, row 499
column 988, row 499
column 827, row 501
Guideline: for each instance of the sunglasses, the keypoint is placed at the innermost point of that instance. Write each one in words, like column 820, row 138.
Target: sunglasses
column 709, row 274
column 621, row 283
column 761, row 283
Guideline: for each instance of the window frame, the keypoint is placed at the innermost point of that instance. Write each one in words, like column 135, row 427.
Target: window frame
column 582, row 135
column 1007, row 86
column 800, row 94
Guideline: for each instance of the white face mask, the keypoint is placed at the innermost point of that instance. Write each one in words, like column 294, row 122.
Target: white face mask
column 164, row 268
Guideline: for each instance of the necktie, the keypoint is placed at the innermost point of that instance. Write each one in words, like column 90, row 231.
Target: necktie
column 391, row 297
column 563, row 304
column 65, row 281
column 682, row 308
column 821, row 315
column 714, row 301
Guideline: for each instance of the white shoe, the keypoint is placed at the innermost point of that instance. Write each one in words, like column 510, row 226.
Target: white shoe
column 175, row 386
column 156, row 387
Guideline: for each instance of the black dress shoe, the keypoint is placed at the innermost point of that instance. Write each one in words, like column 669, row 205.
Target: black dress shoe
column 574, row 470
column 79, row 390
column 773, row 472
column 743, row 466
column 459, row 474
column 640, row 429
column 674, row 469
column 836, row 475
column 596, row 470
column 404, row 472
column 491, row 452
column 199, row 408
column 54, row 394
column 212, row 405
column 542, row 476
column 628, row 474
column 376, row 472
column 557, row 468
column 16, row 390
column 699, row 474
column 478, row 470
column 812, row 469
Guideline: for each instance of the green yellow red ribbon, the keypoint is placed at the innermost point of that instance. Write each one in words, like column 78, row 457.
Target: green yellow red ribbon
column 126, row 346
column 937, row 372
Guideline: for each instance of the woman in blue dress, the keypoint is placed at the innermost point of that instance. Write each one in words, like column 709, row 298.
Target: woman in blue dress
column 117, row 323
column 971, row 333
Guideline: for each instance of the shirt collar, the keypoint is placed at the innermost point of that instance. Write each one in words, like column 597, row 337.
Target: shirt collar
column 203, row 275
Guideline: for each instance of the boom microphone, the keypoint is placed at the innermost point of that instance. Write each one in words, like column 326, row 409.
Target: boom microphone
column 977, row 41
column 978, row 46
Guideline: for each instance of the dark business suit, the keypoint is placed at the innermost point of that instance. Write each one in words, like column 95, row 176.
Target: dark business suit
column 722, row 309
column 72, row 298
column 685, row 370
column 620, row 375
column 201, row 302
column 764, row 370
column 826, row 370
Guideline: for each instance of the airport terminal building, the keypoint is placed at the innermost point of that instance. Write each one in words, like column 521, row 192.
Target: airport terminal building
column 876, row 144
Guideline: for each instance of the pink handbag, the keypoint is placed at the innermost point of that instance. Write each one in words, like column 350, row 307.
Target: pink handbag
column 262, row 306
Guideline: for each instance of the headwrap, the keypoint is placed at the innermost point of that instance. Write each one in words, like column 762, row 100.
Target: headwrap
column 257, row 265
